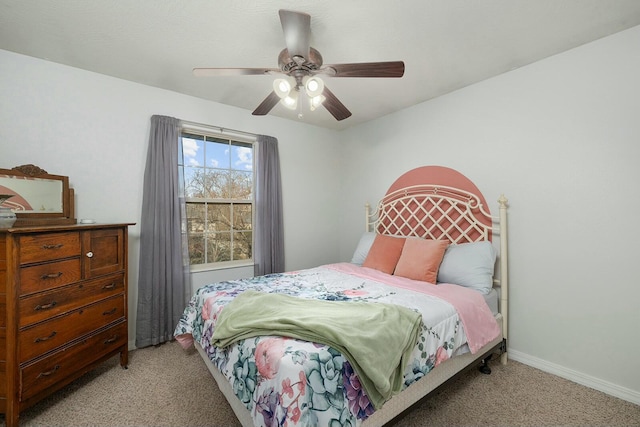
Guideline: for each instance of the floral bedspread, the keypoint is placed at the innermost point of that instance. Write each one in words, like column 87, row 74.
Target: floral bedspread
column 284, row 381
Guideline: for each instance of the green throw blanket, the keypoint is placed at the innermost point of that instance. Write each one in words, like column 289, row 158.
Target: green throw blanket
column 376, row 338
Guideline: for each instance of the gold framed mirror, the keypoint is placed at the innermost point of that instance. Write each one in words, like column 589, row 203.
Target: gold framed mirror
column 39, row 198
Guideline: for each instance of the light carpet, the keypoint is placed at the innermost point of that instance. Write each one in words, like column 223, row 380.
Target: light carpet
column 168, row 386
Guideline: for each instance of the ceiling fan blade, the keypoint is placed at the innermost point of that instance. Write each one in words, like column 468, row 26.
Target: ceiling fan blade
column 365, row 69
column 265, row 106
column 217, row 72
column 297, row 32
column 334, row 106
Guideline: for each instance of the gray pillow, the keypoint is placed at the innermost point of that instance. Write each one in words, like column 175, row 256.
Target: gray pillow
column 363, row 247
column 470, row 265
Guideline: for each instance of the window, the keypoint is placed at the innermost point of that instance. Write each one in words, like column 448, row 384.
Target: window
column 218, row 185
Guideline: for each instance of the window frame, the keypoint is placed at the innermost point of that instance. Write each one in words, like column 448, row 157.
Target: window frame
column 230, row 137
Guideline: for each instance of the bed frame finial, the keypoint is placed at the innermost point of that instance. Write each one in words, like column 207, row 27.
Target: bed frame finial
column 503, row 201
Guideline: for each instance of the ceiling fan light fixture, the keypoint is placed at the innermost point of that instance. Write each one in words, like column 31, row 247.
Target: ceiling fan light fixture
column 314, row 86
column 316, row 101
column 282, row 88
column 291, row 100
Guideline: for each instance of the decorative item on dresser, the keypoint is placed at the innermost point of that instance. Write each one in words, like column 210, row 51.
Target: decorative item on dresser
column 7, row 216
column 63, row 307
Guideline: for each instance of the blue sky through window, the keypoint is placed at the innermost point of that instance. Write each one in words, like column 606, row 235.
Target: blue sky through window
column 217, row 154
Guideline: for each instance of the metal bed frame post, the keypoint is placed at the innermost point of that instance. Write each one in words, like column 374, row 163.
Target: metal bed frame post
column 504, row 276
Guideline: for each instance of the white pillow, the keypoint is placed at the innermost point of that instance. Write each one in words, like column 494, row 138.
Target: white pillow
column 363, row 247
column 470, row 265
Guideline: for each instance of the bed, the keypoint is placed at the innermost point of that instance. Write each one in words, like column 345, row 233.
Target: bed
column 358, row 343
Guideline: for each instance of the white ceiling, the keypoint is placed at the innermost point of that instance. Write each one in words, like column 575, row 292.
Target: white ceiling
column 445, row 44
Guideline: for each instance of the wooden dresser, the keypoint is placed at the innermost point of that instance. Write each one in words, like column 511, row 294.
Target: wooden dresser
column 63, row 308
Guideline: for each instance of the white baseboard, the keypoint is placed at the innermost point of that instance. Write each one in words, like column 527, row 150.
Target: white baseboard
column 577, row 377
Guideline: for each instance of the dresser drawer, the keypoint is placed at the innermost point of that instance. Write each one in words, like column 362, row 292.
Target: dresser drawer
column 46, row 336
column 41, row 277
column 36, row 377
column 41, row 306
column 49, row 246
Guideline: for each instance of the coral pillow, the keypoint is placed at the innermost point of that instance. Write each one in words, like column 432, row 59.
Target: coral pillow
column 420, row 259
column 384, row 253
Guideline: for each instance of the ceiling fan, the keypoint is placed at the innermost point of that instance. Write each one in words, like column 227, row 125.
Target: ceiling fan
column 302, row 64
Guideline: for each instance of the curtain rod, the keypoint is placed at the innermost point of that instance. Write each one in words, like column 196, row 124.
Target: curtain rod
column 220, row 128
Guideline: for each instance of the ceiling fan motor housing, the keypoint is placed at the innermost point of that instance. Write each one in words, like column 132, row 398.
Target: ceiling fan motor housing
column 305, row 66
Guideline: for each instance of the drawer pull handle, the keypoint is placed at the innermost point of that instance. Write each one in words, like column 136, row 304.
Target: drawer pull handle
column 53, row 334
column 109, row 312
column 51, row 276
column 89, row 254
column 110, row 286
column 58, row 246
column 110, row 340
column 46, row 374
column 46, row 306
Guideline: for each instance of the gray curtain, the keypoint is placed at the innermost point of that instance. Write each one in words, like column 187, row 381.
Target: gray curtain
column 163, row 272
column 268, row 252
